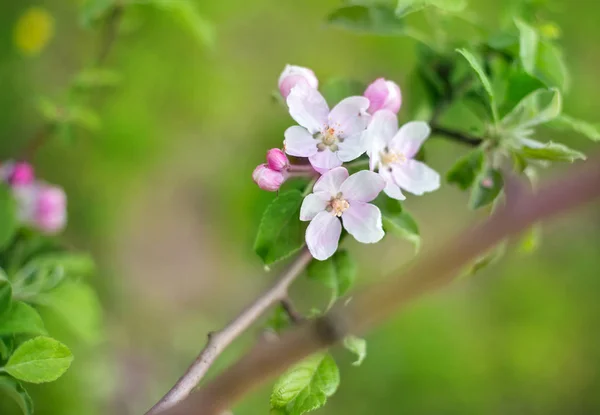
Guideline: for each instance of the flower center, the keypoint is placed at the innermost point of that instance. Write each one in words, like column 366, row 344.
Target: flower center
column 390, row 157
column 337, row 205
column 329, row 138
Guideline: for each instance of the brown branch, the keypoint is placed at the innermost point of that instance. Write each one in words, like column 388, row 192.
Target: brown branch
column 218, row 341
column 456, row 135
column 290, row 310
column 369, row 308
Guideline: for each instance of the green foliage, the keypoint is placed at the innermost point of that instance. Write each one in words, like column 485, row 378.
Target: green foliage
column 39, row 360
column 68, row 116
column 337, row 273
column 21, row 319
column 94, row 10
column 483, row 77
column 375, row 19
column 487, row 188
column 567, row 123
column 8, row 217
column 466, row 169
column 306, row 386
column 13, row 389
column 539, row 107
column 186, row 14
column 552, row 152
column 406, row 7
column 281, row 233
column 397, row 221
column 5, row 293
column 357, row 346
column 96, row 78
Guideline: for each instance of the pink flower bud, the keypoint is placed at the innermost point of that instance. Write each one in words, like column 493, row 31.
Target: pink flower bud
column 294, row 75
column 384, row 94
column 268, row 179
column 50, row 213
column 22, row 174
column 277, row 160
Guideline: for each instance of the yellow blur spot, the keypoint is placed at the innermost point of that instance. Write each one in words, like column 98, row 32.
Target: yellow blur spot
column 33, row 31
column 550, row 31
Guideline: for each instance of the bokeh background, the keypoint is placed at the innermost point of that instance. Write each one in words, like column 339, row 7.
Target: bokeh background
column 162, row 196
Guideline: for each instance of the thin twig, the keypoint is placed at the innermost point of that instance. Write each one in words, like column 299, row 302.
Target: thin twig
column 369, row 308
column 288, row 306
column 218, row 341
column 456, row 136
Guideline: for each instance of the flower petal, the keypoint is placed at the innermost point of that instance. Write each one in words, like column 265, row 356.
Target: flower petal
column 331, row 181
column 313, row 204
column 323, row 161
column 351, row 148
column 409, row 139
column 391, row 188
column 308, row 107
column 363, row 221
column 350, row 116
column 363, row 186
column 299, row 142
column 416, row 177
column 322, row 235
column 381, row 129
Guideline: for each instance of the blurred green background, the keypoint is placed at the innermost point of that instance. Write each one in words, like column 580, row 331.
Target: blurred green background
column 162, row 196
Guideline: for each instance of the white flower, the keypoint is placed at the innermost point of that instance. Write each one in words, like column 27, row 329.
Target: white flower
column 392, row 151
column 338, row 199
column 327, row 138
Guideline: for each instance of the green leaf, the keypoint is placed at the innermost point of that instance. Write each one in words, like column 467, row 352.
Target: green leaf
column 21, row 319
column 306, row 386
column 483, row 77
column 403, row 226
column 84, row 117
column 6, row 347
column 93, row 10
column 337, row 273
column 487, row 188
column 528, row 45
column 5, row 293
column 530, row 240
column 552, row 152
column 39, row 360
column 487, row 259
column 336, row 89
column 357, row 346
column 406, row 7
column 186, row 13
column 566, row 123
column 8, row 217
column 279, row 320
column 377, row 19
column 537, row 108
column 466, row 169
column 79, row 308
column 280, row 233
column 96, row 78
column 17, row 392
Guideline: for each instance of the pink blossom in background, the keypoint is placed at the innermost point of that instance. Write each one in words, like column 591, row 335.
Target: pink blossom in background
column 392, row 151
column 327, row 138
column 383, row 95
column 22, row 174
column 268, row 179
column 296, row 75
column 277, row 160
column 50, row 214
column 338, row 199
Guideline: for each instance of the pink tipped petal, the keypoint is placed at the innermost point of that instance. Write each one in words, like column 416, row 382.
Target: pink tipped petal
column 299, row 71
column 308, row 107
column 323, row 235
column 331, row 181
column 350, row 116
column 409, row 139
column 277, row 160
column 391, row 188
column 416, row 177
column 267, row 179
column 383, row 95
column 313, row 204
column 363, row 186
column 299, row 142
column 363, row 221
column 351, row 148
column 286, row 86
column 323, row 161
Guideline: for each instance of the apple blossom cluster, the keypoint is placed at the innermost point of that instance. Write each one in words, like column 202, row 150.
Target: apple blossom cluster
column 39, row 205
column 357, row 128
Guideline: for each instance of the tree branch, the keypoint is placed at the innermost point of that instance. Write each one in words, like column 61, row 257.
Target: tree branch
column 456, row 135
column 218, row 341
column 293, row 314
column 370, row 307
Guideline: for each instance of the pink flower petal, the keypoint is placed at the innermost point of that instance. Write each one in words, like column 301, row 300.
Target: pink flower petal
column 363, row 186
column 416, row 177
column 391, row 188
column 299, row 142
column 351, row 148
column 381, row 129
column 350, row 117
column 313, row 204
column 363, row 221
column 383, row 94
column 323, row 235
column 308, row 107
column 409, row 139
column 323, row 161
column 331, row 181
